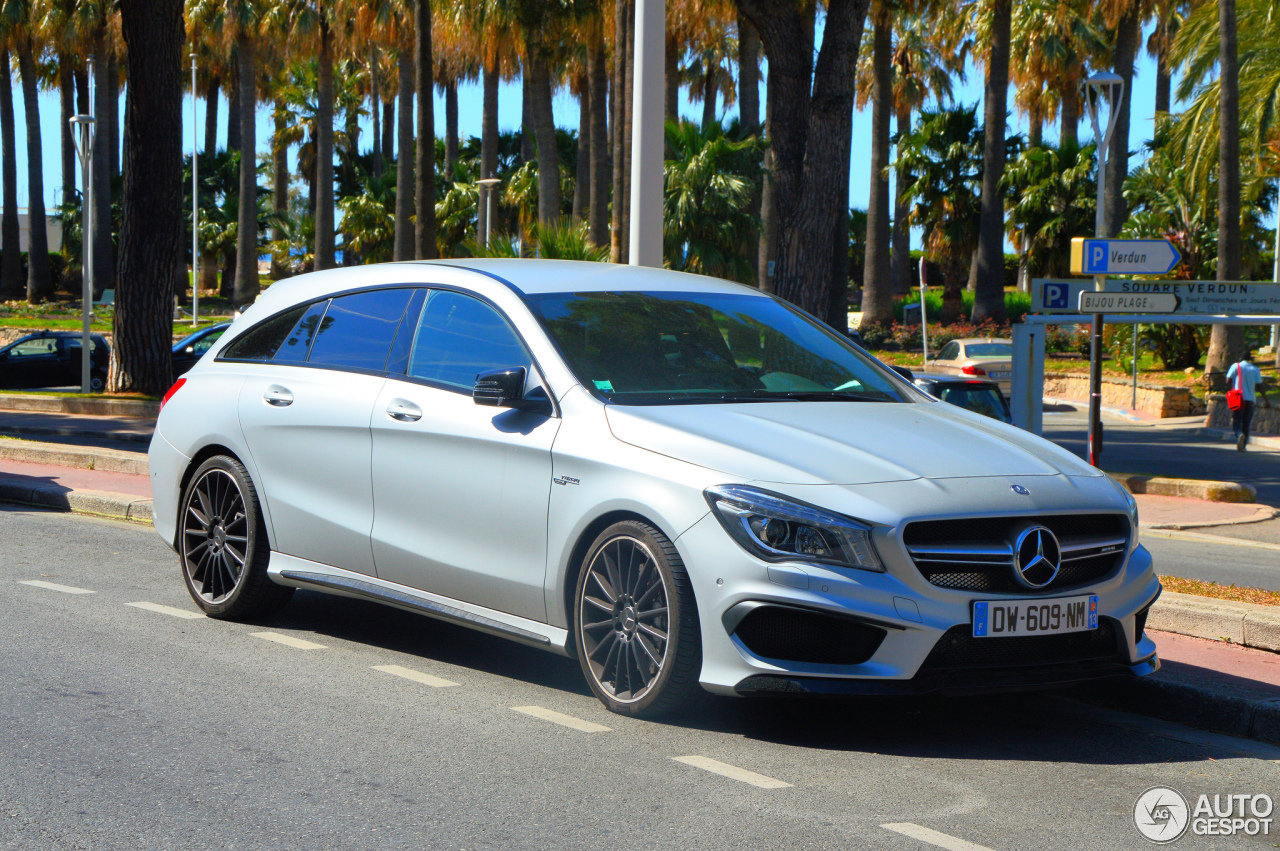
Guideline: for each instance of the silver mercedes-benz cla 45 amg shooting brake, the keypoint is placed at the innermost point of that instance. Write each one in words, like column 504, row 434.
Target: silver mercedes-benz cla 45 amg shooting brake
column 683, row 483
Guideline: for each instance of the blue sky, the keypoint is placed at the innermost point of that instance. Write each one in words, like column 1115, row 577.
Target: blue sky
column 566, row 112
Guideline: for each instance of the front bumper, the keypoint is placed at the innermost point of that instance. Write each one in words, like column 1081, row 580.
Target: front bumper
column 913, row 616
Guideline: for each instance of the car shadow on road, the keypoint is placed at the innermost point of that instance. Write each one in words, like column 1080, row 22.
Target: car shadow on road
column 1035, row 727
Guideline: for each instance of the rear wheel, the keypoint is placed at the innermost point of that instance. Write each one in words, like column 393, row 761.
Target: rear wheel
column 636, row 622
column 223, row 545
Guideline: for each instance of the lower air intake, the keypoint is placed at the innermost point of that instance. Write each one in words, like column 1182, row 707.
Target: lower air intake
column 796, row 635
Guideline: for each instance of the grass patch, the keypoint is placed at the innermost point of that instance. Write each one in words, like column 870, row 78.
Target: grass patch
column 1221, row 592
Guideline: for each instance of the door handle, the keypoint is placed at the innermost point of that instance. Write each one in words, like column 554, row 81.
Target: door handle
column 278, row 396
column 404, row 411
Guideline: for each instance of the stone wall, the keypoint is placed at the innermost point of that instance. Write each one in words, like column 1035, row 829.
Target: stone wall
column 1265, row 420
column 1155, row 399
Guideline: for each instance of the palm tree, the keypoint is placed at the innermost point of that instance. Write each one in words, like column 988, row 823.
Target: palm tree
column 877, row 296
column 1052, row 40
column 988, row 297
column 11, row 283
column 1125, row 18
column 945, row 153
column 1169, row 17
column 20, row 17
column 1226, row 345
column 1052, row 198
column 425, row 178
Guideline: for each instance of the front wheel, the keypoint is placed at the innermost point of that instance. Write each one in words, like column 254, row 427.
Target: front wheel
column 636, row 622
column 223, row 544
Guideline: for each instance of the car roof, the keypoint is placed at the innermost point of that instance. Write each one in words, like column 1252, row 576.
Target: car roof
column 983, row 340
column 950, row 379
column 532, row 277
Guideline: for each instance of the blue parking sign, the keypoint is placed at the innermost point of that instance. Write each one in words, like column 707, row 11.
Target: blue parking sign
column 1057, row 296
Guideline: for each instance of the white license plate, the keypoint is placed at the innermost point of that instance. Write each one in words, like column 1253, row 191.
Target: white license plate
column 1002, row 375
column 1007, row 618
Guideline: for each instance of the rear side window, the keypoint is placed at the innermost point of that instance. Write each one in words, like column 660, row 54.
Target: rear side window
column 460, row 337
column 297, row 344
column 262, row 341
column 357, row 330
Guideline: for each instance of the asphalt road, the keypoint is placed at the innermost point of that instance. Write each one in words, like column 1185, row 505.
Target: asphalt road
column 130, row 727
column 1226, row 561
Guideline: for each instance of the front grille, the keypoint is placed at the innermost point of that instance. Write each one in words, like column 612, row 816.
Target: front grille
column 959, row 650
column 976, row 554
column 796, row 635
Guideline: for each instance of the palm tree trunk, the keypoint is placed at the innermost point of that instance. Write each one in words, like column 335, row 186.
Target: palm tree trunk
column 708, row 99
column 1164, row 81
column 38, row 283
column 671, row 79
column 279, row 182
column 488, row 140
column 877, row 299
column 324, row 248
column 113, row 114
column 247, row 221
column 211, row 117
column 104, row 250
column 900, row 255
column 403, row 249
column 748, row 78
column 582, row 176
column 1128, row 34
column 1069, row 135
column 389, row 129
column 450, row 127
column 425, row 196
column 375, row 112
column 12, row 285
column 988, row 298
column 767, row 248
column 1035, row 132
column 67, row 100
column 81, row 75
column 233, row 111
column 150, row 245
column 544, row 129
column 628, row 98
column 598, row 73
column 622, row 22
column 526, row 119
column 1226, row 342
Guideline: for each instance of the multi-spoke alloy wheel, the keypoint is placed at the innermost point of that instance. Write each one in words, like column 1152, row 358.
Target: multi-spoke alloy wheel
column 224, row 555
column 634, row 614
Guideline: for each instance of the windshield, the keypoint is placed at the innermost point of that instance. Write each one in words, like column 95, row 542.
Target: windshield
column 989, row 350
column 638, row 348
column 981, row 399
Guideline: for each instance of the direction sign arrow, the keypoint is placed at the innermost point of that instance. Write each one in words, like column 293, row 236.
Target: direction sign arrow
column 1104, row 302
column 1123, row 256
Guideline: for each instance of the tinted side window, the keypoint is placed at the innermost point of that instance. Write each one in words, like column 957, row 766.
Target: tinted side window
column 460, row 337
column 298, row 343
column 262, row 341
column 357, row 330
column 206, row 342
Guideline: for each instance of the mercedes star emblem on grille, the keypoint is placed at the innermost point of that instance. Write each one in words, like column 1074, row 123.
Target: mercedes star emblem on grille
column 1036, row 557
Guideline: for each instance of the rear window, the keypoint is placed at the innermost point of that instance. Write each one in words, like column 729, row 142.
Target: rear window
column 979, row 398
column 989, row 350
column 262, row 341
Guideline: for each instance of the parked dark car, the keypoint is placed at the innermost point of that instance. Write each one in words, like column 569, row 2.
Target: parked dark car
column 52, row 359
column 974, row 394
column 191, row 348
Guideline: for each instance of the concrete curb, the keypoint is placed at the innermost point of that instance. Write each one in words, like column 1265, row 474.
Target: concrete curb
column 81, row 457
column 1162, row 695
column 77, row 404
column 1192, row 488
column 1246, row 624
column 117, row 506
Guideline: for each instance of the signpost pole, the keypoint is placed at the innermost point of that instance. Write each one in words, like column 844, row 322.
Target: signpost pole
column 648, row 132
column 82, row 137
column 924, row 314
column 195, row 204
column 1134, row 406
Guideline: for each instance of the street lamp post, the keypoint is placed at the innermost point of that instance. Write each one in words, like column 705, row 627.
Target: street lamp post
column 82, row 137
column 195, row 205
column 487, row 185
column 1111, row 86
column 648, row 127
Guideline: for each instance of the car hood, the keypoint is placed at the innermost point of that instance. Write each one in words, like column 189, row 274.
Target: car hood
column 841, row 442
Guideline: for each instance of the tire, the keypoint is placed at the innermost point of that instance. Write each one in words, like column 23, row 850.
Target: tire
column 222, row 544
column 97, row 382
column 627, row 665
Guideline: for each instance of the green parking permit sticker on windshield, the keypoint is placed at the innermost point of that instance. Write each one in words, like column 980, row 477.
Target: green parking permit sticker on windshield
column 606, row 385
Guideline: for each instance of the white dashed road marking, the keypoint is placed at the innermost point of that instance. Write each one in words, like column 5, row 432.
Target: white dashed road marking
column 563, row 720
column 288, row 641
column 933, row 837
column 168, row 610
column 53, row 586
column 731, row 771
column 416, row 676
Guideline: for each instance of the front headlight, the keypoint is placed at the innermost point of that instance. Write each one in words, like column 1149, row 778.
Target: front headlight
column 1132, row 505
column 777, row 528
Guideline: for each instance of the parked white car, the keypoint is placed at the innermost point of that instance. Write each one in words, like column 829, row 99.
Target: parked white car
column 680, row 481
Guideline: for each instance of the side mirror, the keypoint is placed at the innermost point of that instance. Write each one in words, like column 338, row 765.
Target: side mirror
column 904, row 372
column 504, row 388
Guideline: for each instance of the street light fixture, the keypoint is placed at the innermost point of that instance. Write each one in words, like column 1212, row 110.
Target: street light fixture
column 1110, row 86
column 82, row 127
column 487, row 185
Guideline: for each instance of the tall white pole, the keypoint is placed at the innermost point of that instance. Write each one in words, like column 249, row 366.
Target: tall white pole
column 86, row 244
column 1275, row 329
column 647, row 123
column 924, row 314
column 195, row 205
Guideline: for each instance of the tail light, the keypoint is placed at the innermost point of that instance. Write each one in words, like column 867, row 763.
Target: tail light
column 177, row 385
column 973, row 370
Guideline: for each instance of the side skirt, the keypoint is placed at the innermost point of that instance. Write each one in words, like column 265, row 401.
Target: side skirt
column 301, row 573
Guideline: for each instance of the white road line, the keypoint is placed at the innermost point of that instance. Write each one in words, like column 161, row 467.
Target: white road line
column 53, row 586
column 563, row 720
column 168, row 610
column 933, row 837
column 416, row 676
column 731, row 771
column 288, row 641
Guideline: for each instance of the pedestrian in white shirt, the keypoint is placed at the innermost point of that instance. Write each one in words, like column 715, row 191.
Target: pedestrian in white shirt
column 1246, row 378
